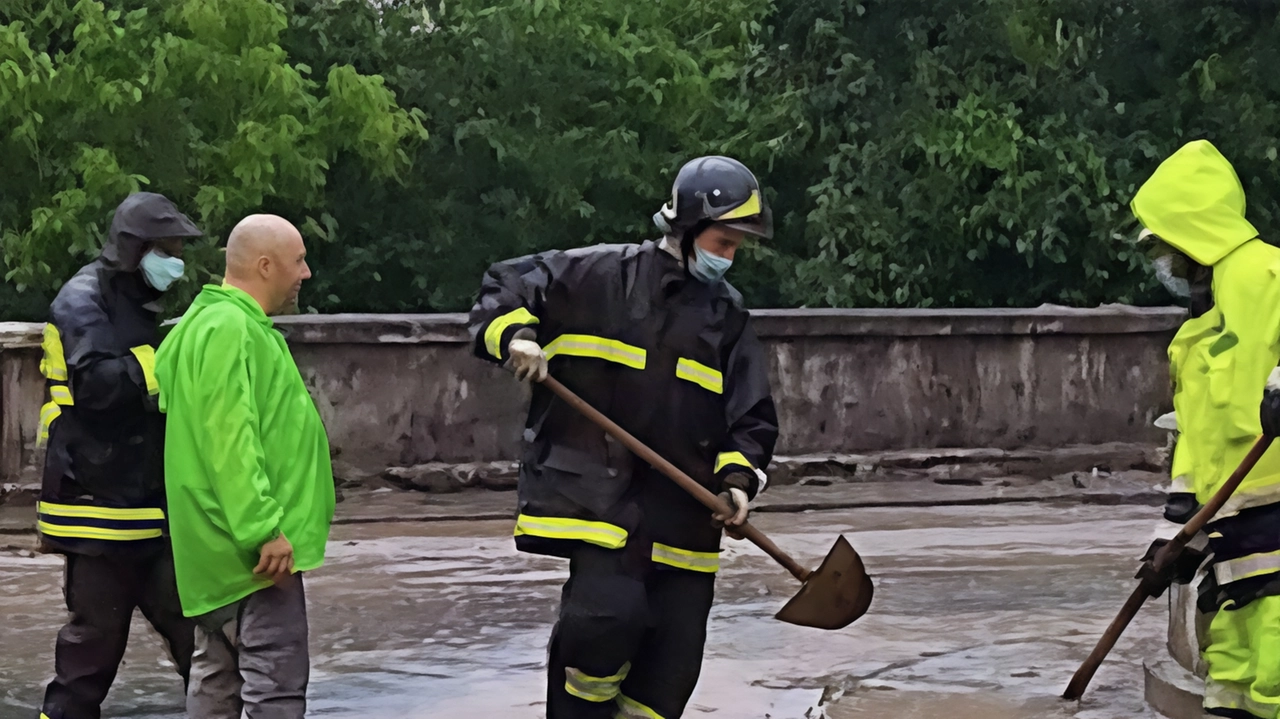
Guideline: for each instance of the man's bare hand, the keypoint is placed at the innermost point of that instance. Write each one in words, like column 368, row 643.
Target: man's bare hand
column 276, row 560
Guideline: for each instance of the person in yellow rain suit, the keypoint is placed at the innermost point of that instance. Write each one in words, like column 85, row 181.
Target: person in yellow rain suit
column 1223, row 364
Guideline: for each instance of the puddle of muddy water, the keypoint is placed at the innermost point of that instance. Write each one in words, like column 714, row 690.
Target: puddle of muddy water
column 980, row 612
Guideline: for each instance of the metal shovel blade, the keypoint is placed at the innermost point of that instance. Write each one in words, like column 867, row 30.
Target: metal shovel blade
column 834, row 595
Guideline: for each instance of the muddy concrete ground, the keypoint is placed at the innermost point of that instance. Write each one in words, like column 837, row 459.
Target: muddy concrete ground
column 980, row 612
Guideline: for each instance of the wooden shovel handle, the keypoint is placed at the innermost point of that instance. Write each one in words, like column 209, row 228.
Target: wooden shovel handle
column 1163, row 559
column 1080, row 680
column 687, row 483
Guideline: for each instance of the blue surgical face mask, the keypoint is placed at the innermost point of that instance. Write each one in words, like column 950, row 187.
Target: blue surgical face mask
column 161, row 270
column 708, row 267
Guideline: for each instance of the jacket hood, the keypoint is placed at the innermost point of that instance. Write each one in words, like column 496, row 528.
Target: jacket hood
column 143, row 217
column 1194, row 201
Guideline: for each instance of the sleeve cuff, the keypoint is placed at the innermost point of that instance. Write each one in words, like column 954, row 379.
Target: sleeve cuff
column 728, row 463
column 146, row 356
column 497, row 335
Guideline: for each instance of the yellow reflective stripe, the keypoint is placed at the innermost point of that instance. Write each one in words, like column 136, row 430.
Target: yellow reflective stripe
column 1229, row 695
column 146, row 355
column 121, row 535
column 599, row 348
column 601, row 534
column 91, row 512
column 1253, row 565
column 594, row 689
column 54, row 364
column 700, row 374
column 586, row 693
column 724, row 459
column 746, row 209
column 686, row 559
column 48, row 413
column 1243, row 499
column 629, row 708
column 61, row 394
column 493, row 335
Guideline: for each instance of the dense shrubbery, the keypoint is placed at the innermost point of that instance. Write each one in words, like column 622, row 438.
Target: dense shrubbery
column 972, row 153
column 197, row 100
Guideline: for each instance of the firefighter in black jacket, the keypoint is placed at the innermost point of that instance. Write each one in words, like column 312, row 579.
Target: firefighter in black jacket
column 651, row 335
column 103, row 503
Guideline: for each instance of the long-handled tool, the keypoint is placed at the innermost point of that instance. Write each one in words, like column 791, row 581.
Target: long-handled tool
column 1151, row 586
column 831, row 597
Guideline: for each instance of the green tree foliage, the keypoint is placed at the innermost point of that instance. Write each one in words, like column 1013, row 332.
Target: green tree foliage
column 967, row 153
column 553, row 125
column 197, row 100
column 983, row 152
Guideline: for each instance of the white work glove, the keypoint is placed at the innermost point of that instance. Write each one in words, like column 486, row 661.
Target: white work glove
column 737, row 500
column 527, row 360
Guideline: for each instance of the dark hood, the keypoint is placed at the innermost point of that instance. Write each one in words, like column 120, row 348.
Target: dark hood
column 143, row 217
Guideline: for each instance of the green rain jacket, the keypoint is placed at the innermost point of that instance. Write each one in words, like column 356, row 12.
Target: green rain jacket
column 245, row 451
column 1219, row 361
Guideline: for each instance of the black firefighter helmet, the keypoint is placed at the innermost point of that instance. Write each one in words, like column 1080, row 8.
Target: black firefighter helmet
column 715, row 189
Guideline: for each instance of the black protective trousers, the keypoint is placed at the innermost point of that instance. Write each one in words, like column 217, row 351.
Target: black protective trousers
column 629, row 639
column 102, row 592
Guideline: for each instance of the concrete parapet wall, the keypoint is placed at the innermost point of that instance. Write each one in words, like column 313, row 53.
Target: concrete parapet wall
column 406, row 390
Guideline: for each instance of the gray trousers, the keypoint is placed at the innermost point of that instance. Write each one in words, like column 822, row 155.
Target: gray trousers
column 255, row 664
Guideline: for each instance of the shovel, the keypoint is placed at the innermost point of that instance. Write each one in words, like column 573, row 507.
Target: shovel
column 831, row 597
column 1164, row 559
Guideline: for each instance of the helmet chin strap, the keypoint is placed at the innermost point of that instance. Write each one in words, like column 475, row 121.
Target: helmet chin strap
column 691, row 235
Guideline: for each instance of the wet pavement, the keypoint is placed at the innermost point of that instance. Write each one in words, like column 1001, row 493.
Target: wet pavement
column 980, row 611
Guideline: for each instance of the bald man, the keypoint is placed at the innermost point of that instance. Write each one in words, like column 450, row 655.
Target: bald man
column 249, row 481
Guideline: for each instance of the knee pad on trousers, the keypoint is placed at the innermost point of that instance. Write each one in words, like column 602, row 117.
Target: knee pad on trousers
column 601, row 622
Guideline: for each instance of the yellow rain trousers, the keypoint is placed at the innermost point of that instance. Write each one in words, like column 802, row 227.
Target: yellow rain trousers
column 1219, row 363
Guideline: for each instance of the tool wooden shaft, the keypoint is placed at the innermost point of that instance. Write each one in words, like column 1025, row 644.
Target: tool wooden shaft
column 1085, row 673
column 1163, row 559
column 687, row 483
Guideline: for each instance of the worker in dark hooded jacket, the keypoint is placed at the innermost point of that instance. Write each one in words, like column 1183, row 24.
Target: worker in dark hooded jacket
column 651, row 335
column 103, row 503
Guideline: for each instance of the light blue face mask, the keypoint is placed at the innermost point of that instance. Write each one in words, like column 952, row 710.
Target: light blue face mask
column 708, row 267
column 161, row 270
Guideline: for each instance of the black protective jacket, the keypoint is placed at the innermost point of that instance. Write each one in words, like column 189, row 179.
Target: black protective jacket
column 672, row 360
column 104, row 466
